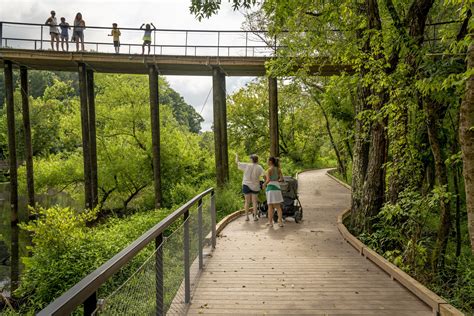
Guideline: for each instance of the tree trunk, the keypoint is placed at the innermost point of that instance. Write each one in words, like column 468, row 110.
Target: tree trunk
column 359, row 162
column 435, row 114
column 340, row 162
column 361, row 146
column 374, row 187
column 466, row 136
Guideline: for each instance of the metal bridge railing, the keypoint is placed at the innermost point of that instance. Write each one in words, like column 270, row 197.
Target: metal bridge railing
column 231, row 43
column 164, row 41
column 161, row 283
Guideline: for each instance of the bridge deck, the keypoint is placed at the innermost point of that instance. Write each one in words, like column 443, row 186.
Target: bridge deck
column 137, row 64
column 304, row 268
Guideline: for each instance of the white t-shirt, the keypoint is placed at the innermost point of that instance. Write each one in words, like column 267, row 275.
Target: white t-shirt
column 252, row 174
column 53, row 28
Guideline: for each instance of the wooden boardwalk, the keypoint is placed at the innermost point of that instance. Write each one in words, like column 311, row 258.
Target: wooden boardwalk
column 301, row 269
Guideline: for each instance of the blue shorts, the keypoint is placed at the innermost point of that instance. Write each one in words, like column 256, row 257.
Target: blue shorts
column 247, row 190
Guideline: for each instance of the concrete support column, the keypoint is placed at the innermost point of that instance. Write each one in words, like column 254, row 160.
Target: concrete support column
column 28, row 143
column 155, row 132
column 220, row 126
column 9, row 89
column 273, row 106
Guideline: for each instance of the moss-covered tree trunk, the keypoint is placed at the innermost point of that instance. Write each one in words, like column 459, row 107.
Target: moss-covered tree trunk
column 466, row 136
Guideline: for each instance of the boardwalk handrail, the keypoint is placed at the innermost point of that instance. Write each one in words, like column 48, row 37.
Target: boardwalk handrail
column 85, row 290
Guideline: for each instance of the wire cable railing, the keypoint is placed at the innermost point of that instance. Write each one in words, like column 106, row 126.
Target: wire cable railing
column 159, row 284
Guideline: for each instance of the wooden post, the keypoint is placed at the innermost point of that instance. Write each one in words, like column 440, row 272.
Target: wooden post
column 220, row 126
column 27, row 127
column 92, row 137
column 155, row 131
column 85, row 136
column 13, row 174
column 273, row 105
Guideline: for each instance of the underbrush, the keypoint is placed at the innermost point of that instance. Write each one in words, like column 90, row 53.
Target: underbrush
column 405, row 234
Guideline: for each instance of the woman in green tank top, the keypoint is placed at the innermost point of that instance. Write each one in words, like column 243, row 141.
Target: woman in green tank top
column 273, row 190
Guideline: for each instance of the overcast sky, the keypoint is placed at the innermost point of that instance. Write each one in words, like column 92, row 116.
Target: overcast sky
column 165, row 14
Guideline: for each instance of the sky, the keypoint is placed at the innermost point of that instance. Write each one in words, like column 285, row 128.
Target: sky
column 165, row 14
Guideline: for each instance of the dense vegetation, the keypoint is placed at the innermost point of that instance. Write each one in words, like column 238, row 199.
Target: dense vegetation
column 403, row 115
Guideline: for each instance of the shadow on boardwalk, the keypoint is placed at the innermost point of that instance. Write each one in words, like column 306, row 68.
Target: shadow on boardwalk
column 301, row 269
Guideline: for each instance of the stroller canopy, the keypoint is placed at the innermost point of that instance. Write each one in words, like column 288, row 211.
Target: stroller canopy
column 289, row 188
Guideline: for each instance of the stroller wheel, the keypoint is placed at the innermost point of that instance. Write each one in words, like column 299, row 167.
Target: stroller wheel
column 299, row 215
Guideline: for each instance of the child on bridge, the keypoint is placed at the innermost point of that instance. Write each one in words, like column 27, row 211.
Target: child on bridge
column 64, row 26
column 147, row 36
column 116, row 37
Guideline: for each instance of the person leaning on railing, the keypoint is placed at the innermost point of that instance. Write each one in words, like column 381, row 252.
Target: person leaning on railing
column 78, row 31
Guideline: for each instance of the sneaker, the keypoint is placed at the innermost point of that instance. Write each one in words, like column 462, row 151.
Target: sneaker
column 247, row 219
column 281, row 225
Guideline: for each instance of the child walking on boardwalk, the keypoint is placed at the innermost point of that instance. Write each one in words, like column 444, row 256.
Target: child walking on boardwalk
column 147, row 36
column 115, row 33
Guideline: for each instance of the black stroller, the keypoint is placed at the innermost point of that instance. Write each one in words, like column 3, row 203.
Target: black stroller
column 291, row 205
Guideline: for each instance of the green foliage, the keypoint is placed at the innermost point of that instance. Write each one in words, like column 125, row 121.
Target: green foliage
column 66, row 250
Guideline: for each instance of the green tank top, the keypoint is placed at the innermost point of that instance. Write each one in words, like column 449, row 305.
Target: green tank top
column 274, row 174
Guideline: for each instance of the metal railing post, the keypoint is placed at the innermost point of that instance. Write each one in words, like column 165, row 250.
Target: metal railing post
column 213, row 219
column 200, row 235
column 1, row 34
column 90, row 304
column 159, row 277
column 187, row 277
column 218, row 42
column 246, row 42
column 41, row 38
column 186, row 45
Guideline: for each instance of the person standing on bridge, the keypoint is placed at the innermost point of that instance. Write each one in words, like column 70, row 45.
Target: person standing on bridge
column 53, row 30
column 147, row 36
column 115, row 33
column 78, row 31
column 64, row 34
column 250, row 183
column 273, row 190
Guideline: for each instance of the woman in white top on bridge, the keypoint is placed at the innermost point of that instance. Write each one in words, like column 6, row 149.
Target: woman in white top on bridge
column 250, row 183
column 53, row 30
